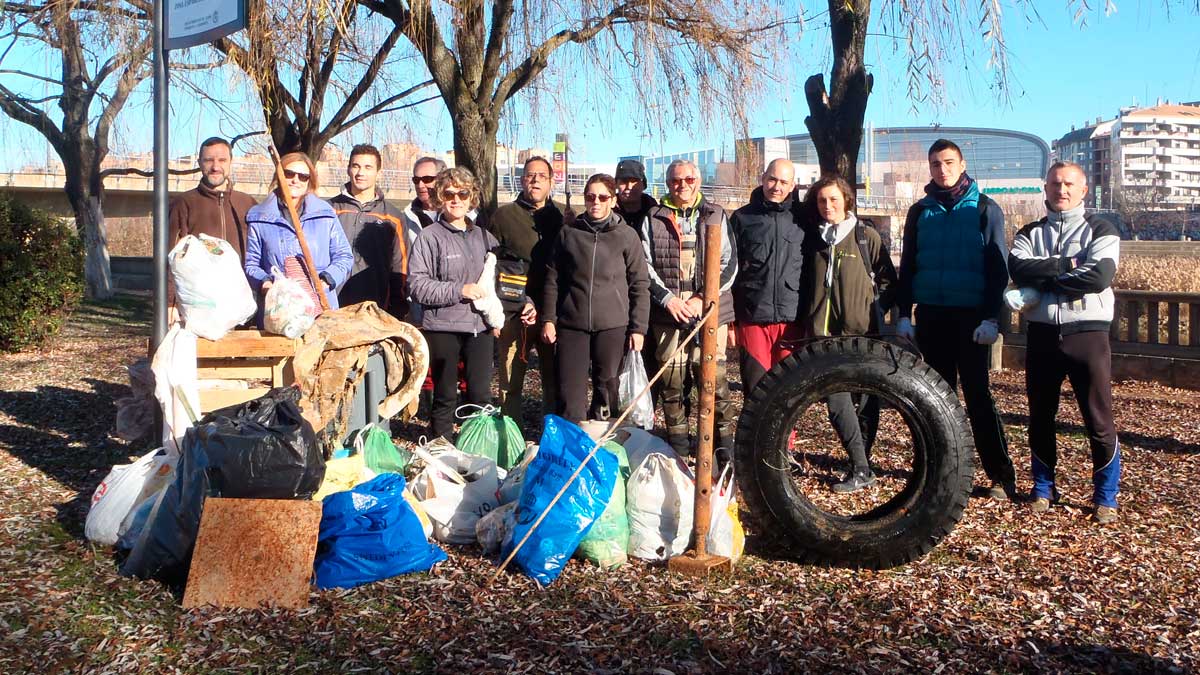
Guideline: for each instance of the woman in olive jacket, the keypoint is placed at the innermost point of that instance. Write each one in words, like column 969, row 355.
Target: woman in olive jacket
column 596, row 302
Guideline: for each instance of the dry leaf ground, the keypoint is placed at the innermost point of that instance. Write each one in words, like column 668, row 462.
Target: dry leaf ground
column 1005, row 593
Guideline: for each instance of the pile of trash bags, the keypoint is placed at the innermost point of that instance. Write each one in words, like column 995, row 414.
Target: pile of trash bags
column 385, row 511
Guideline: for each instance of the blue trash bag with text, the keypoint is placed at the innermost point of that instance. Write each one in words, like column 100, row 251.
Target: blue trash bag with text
column 370, row 533
column 563, row 448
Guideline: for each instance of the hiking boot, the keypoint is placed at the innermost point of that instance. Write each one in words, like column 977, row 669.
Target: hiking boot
column 679, row 443
column 1103, row 515
column 854, row 481
column 1003, row 491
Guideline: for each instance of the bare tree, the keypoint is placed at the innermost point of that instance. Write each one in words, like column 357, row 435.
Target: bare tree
column 313, row 64
column 701, row 58
column 101, row 53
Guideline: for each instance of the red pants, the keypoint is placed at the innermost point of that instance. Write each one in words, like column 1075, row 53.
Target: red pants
column 763, row 346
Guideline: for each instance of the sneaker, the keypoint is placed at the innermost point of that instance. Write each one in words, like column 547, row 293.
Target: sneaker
column 1103, row 515
column 854, row 481
column 1039, row 505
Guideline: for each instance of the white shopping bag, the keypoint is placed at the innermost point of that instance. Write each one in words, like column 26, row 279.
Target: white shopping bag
column 660, row 498
column 640, row 444
column 288, row 308
column 725, row 534
column 456, row 490
column 210, row 285
column 495, row 526
column 125, row 486
column 631, row 382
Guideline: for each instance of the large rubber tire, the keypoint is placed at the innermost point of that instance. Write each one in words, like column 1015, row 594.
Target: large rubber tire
column 909, row 524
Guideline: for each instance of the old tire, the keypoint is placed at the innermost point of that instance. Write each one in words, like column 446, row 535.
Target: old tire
column 910, row 523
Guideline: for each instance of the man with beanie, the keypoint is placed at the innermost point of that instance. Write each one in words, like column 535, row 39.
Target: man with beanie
column 632, row 201
column 1064, row 265
column 953, row 268
column 526, row 229
column 673, row 238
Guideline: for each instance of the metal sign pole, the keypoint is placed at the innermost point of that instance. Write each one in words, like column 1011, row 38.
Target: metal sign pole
column 160, row 178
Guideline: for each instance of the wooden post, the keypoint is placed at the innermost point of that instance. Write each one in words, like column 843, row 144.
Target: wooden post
column 697, row 561
column 291, row 207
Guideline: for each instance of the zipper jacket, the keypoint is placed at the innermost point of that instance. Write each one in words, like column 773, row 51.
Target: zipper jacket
column 840, row 294
column 1072, row 260
column 273, row 239
column 596, row 278
column 443, row 260
column 381, row 240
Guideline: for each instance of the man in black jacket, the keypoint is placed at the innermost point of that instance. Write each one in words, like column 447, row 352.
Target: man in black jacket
column 632, row 201
column 766, row 292
column 525, row 228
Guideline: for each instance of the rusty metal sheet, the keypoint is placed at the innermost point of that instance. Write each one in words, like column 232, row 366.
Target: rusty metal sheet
column 252, row 552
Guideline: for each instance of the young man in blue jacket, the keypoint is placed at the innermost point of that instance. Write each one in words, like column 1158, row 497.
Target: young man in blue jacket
column 1064, row 265
column 953, row 268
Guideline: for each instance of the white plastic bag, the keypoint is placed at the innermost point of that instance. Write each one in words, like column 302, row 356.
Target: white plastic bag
column 1022, row 299
column 288, row 308
column 453, row 506
column 210, row 285
column 125, row 486
column 510, row 488
column 632, row 381
column 489, row 304
column 660, row 499
column 495, row 526
column 641, row 444
column 725, row 534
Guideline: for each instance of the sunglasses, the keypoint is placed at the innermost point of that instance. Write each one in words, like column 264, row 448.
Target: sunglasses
column 289, row 174
column 595, row 197
column 424, row 180
column 690, row 180
column 448, row 195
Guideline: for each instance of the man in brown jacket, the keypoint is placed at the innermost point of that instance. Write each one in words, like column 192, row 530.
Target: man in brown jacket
column 213, row 207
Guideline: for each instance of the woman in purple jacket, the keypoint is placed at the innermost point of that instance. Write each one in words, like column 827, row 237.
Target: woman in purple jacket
column 272, row 240
column 443, row 274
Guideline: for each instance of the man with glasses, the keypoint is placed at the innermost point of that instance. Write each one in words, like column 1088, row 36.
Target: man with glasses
column 673, row 240
column 766, row 293
column 420, row 212
column 378, row 235
column 525, row 228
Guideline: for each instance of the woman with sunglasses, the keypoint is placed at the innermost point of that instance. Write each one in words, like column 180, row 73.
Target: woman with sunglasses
column 443, row 273
column 272, row 240
column 596, row 301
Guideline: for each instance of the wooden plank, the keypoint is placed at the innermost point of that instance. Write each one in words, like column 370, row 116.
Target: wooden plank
column 1152, row 326
column 1134, row 314
column 1114, row 329
column 254, row 552
column 213, row 399
column 246, row 343
column 1165, row 351
column 235, row 372
column 1173, row 323
column 1194, row 324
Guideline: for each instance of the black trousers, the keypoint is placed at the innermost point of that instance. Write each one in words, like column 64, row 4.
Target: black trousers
column 1086, row 360
column 844, row 418
column 445, row 351
column 945, row 337
column 578, row 352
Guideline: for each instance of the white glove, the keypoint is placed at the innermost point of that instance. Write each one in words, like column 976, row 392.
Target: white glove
column 1021, row 299
column 987, row 332
column 489, row 304
column 904, row 329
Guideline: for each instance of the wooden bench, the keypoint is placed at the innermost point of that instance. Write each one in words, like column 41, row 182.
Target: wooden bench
column 243, row 355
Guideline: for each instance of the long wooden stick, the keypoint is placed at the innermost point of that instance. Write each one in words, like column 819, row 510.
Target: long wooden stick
column 309, row 267
column 685, row 344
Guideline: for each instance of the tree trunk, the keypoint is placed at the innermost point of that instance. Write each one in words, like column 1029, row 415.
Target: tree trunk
column 89, row 219
column 475, row 149
column 835, row 119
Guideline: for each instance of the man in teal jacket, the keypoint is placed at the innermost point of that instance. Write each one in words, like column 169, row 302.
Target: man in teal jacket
column 953, row 268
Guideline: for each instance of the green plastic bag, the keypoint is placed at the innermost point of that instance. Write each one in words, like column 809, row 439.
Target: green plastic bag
column 487, row 433
column 379, row 452
column 607, row 543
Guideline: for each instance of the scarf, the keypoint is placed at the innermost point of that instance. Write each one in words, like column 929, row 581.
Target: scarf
column 948, row 197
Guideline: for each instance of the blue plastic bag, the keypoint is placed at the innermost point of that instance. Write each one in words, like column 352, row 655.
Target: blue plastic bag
column 370, row 533
column 563, row 448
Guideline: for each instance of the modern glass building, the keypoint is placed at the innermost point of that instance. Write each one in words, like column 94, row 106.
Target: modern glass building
column 991, row 154
column 656, row 165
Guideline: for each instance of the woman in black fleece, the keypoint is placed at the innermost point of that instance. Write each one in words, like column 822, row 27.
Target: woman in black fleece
column 596, row 302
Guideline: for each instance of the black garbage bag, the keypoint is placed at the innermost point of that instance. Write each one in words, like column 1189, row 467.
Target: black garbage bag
column 261, row 449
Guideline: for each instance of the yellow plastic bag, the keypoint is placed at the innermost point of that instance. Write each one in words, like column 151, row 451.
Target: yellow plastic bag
column 343, row 474
column 725, row 534
column 426, row 523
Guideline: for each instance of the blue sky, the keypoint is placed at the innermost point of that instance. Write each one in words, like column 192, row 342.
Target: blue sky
column 1061, row 75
